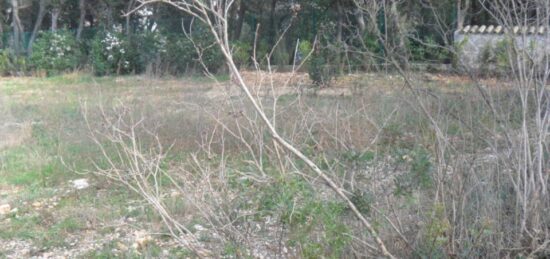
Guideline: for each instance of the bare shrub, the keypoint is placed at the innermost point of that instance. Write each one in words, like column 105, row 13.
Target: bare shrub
column 428, row 172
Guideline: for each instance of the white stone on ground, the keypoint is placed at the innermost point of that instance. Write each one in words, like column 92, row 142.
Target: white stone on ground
column 5, row 209
column 80, row 184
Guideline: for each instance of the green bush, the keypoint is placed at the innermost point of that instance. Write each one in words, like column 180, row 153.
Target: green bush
column 304, row 48
column 112, row 53
column 150, row 47
column 420, row 171
column 458, row 48
column 210, row 53
column 55, row 52
column 184, row 54
column 10, row 64
column 262, row 51
column 314, row 226
column 487, row 55
column 242, row 53
column 502, row 58
column 495, row 58
column 373, row 52
column 321, row 71
column 180, row 56
column 428, row 49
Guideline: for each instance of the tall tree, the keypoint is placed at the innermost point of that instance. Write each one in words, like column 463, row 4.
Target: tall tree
column 272, row 24
column 360, row 18
column 241, row 12
column 56, row 12
column 462, row 7
column 2, row 8
column 81, row 19
column 40, row 17
column 17, row 27
column 129, row 7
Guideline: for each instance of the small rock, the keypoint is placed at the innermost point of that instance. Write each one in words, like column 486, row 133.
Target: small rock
column 5, row 209
column 142, row 239
column 80, row 184
column 174, row 194
column 199, row 227
column 121, row 246
column 36, row 204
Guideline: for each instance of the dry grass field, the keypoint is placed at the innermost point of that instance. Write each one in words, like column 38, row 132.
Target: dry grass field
column 223, row 177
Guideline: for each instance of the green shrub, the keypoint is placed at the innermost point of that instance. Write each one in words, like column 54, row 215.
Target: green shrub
column 150, row 47
column 428, row 49
column 11, row 64
column 55, row 52
column 321, row 71
column 262, row 51
column 420, row 171
column 304, row 49
column 184, row 55
column 434, row 238
column 112, row 53
column 417, row 50
column 315, row 226
column 180, row 56
column 374, row 52
column 280, row 56
column 495, row 58
column 242, row 53
column 487, row 55
column 314, row 218
column 458, row 48
column 502, row 58
column 210, row 53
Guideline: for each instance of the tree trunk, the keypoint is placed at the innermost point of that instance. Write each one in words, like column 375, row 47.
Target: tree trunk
column 361, row 25
column 55, row 16
column 397, row 34
column 543, row 13
column 37, row 23
column 17, row 27
column 129, row 7
column 240, row 20
column 82, row 7
column 461, row 11
column 339, row 37
column 340, row 22
column 1, row 31
column 109, row 17
column 272, row 25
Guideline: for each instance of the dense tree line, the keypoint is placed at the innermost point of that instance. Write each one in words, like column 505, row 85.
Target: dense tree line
column 342, row 32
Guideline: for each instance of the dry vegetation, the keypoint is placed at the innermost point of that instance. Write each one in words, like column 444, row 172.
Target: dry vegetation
column 206, row 179
column 397, row 163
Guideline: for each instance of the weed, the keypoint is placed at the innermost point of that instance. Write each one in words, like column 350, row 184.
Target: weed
column 319, row 231
column 419, row 175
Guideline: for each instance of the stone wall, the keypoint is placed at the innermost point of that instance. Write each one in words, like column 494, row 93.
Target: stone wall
column 473, row 40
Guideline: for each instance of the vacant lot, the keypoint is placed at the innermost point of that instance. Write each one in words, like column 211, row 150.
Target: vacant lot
column 213, row 167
